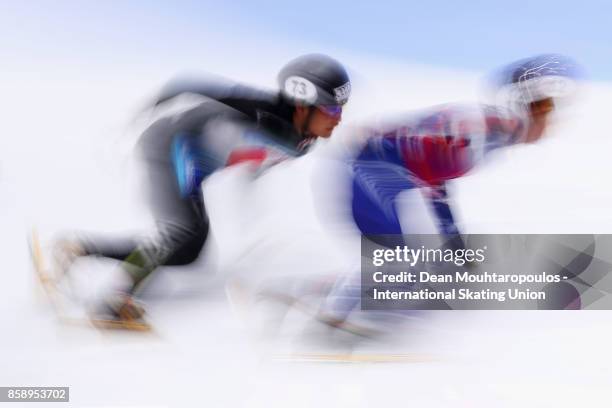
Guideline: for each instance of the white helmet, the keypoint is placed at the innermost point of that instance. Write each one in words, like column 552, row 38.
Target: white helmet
column 537, row 78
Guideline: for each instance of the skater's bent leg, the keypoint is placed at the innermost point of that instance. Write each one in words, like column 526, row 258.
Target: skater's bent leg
column 117, row 248
column 175, row 246
column 182, row 226
column 375, row 215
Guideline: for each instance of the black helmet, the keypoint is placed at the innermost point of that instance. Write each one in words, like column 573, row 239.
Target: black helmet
column 314, row 79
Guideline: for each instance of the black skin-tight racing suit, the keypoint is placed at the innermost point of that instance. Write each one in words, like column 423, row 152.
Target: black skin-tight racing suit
column 182, row 224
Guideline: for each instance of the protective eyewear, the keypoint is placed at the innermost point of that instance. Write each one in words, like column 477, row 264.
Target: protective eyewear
column 331, row 110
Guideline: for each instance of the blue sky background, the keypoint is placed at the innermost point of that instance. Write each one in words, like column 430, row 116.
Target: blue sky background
column 469, row 34
column 466, row 35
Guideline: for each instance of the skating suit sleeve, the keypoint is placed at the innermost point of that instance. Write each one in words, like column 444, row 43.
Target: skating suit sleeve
column 443, row 144
column 448, row 141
